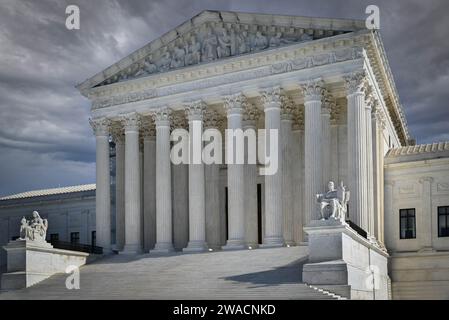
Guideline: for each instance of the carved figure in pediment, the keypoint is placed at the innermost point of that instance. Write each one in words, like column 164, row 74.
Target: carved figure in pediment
column 147, row 68
column 179, row 55
column 165, row 62
column 193, row 52
column 260, row 42
column 275, row 41
column 210, row 43
column 242, row 42
column 305, row 37
column 224, row 45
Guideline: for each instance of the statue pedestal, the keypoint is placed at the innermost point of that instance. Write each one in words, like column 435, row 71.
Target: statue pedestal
column 29, row 262
column 345, row 263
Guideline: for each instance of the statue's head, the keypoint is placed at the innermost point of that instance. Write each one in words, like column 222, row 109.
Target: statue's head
column 331, row 186
column 35, row 214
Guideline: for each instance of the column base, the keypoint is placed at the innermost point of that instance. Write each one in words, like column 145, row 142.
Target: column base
column 163, row 247
column 272, row 242
column 196, row 246
column 237, row 244
column 131, row 249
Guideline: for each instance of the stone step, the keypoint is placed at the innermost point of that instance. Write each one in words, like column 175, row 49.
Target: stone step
column 246, row 274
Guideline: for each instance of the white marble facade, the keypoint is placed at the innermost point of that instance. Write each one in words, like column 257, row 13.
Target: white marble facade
column 327, row 89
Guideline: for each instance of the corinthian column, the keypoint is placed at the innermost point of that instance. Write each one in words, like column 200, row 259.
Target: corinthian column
column 357, row 173
column 197, row 200
column 273, row 183
column 313, row 154
column 250, row 117
column 298, row 174
column 102, row 193
column 369, row 163
column 212, row 179
column 133, row 221
column 236, row 198
column 149, row 184
column 119, row 139
column 287, row 174
column 326, row 148
column 164, row 237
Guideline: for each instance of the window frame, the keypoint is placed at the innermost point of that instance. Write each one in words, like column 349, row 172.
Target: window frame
column 408, row 216
column 446, row 214
column 77, row 236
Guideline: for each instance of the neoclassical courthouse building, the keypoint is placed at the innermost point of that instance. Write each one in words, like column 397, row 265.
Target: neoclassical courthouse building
column 325, row 85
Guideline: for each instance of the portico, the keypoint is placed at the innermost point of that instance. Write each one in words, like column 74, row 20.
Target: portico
column 321, row 88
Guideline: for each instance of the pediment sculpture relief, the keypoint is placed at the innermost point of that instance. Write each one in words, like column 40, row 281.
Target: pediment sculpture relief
column 210, row 43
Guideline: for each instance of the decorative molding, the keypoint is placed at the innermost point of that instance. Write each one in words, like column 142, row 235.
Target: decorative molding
column 251, row 112
column 426, row 179
column 194, row 110
column 179, row 121
column 212, row 119
column 131, row 121
column 356, row 82
column 271, row 98
column 443, row 187
column 148, row 127
column 313, row 90
column 100, row 126
column 162, row 117
column 298, row 119
column 117, row 133
column 287, row 107
column 233, row 104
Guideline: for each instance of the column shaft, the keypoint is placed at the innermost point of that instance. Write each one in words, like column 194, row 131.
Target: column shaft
column 287, row 176
column 120, row 194
column 164, row 228
column 197, row 200
column 149, row 189
column 103, row 193
column 133, row 217
column 273, row 236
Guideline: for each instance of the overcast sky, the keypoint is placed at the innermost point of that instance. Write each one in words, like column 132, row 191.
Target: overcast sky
column 45, row 138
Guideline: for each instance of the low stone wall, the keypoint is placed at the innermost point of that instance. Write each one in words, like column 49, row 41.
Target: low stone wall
column 341, row 258
column 29, row 262
column 423, row 275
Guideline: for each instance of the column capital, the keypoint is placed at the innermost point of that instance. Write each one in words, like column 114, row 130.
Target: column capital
column 117, row 133
column 287, row 108
column 212, row 120
column 329, row 103
column 194, row 110
column 313, row 90
column 148, row 127
column 100, row 126
column 378, row 114
column 234, row 104
column 271, row 98
column 162, row 117
column 250, row 112
column 179, row 121
column 298, row 119
column 355, row 82
column 131, row 122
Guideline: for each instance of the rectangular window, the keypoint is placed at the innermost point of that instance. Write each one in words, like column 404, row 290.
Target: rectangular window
column 74, row 237
column 407, row 223
column 54, row 237
column 443, row 221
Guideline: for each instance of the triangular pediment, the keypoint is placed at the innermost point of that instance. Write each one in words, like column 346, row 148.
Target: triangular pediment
column 216, row 35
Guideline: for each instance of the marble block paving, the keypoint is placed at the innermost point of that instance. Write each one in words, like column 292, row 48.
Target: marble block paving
column 245, row 274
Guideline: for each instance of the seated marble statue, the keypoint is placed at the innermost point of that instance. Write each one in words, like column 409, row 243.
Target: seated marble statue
column 34, row 229
column 333, row 203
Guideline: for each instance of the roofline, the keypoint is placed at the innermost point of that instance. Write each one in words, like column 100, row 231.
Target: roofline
column 48, row 192
column 206, row 16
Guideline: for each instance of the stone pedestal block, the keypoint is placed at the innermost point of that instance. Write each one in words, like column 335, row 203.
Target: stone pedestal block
column 339, row 257
column 30, row 262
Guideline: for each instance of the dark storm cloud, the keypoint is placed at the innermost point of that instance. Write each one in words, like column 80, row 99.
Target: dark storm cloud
column 45, row 139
